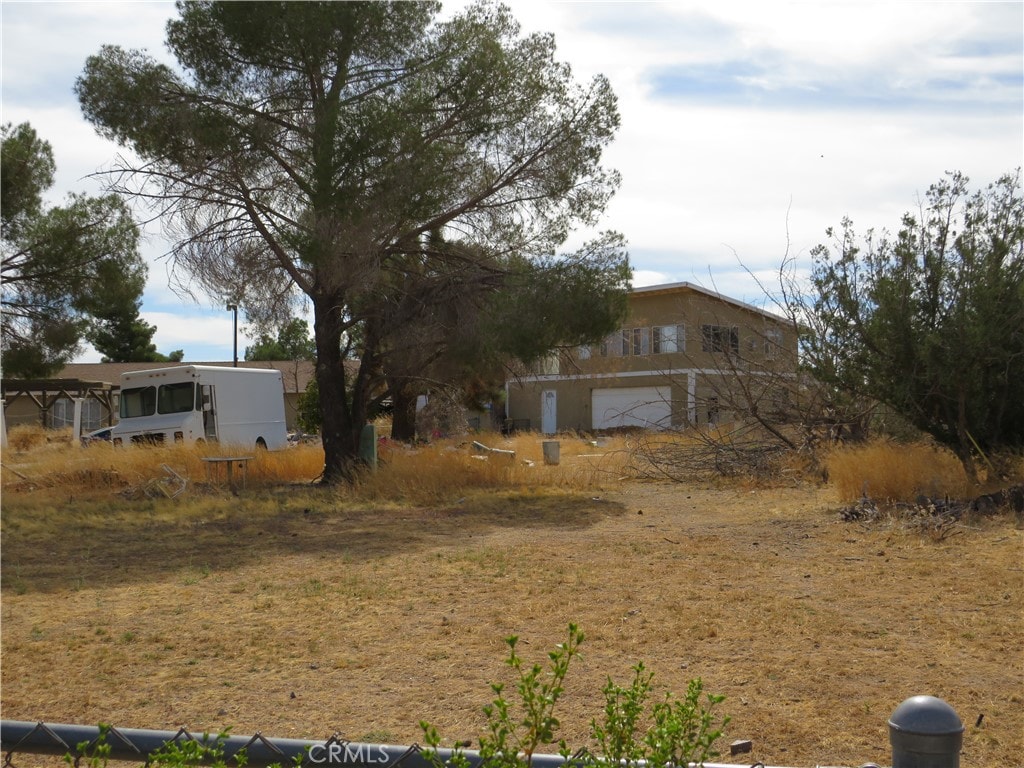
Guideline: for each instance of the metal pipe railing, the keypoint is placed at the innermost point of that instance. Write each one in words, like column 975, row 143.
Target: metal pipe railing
column 924, row 732
column 18, row 736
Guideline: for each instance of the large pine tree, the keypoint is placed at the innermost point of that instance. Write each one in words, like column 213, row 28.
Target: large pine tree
column 310, row 149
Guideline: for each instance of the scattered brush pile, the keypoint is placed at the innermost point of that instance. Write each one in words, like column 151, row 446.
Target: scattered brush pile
column 939, row 517
column 917, row 485
column 731, row 450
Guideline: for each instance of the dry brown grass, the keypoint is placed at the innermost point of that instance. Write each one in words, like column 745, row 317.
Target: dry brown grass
column 448, row 469
column 25, row 438
column 387, row 604
column 889, row 471
column 412, row 474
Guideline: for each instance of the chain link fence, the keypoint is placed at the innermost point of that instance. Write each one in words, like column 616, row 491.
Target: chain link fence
column 76, row 743
column 925, row 732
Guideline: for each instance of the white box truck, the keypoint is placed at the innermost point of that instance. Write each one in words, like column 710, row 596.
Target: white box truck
column 243, row 407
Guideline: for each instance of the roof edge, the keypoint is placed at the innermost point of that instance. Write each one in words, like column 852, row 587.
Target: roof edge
column 688, row 286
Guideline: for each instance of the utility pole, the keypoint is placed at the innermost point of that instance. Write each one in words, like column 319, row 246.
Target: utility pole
column 233, row 309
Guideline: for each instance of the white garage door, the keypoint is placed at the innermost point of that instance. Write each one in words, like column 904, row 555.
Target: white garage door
column 632, row 407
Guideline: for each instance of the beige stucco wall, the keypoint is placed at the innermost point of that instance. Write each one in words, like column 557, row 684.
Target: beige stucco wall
column 22, row 411
column 689, row 401
column 691, row 375
column 692, row 311
column 574, row 399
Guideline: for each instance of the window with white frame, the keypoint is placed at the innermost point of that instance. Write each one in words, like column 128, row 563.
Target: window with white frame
column 772, row 343
column 720, row 338
column 666, row 339
column 641, row 341
column 583, row 352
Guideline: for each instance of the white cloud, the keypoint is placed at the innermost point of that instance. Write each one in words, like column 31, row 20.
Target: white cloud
column 747, row 127
column 205, row 336
column 642, row 277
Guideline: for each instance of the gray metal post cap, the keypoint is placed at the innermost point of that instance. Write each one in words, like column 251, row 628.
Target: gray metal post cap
column 925, row 725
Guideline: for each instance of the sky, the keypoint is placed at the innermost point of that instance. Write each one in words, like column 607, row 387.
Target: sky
column 748, row 128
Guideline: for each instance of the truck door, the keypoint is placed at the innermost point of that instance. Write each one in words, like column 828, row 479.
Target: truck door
column 209, row 413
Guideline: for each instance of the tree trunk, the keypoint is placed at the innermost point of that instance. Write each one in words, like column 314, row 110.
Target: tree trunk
column 963, row 447
column 403, row 413
column 339, row 432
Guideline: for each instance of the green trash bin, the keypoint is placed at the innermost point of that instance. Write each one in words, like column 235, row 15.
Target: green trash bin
column 368, row 446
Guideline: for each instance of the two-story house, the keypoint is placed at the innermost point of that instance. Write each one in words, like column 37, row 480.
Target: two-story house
column 685, row 356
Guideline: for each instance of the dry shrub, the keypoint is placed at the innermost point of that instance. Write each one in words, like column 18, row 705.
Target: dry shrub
column 26, row 437
column 440, row 471
column 102, row 466
column 1007, row 467
column 302, row 463
column 738, row 450
column 443, row 414
column 446, row 470
column 889, row 471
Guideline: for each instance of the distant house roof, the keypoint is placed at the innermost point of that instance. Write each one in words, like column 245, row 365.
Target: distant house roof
column 296, row 373
column 686, row 286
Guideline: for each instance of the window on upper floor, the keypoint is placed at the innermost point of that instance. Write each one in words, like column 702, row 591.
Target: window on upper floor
column 666, row 339
column 632, row 342
column 548, row 365
column 611, row 346
column 772, row 343
column 583, row 352
column 720, row 338
column 640, row 341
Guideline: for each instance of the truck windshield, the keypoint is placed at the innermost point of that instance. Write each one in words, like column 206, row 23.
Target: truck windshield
column 138, row 401
column 176, row 398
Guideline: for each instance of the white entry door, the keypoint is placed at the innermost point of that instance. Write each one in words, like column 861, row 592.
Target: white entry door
column 549, row 411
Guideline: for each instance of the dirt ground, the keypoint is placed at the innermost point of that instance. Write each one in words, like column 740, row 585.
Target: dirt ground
column 300, row 617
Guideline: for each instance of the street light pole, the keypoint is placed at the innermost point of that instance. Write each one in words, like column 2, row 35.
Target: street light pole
column 233, row 309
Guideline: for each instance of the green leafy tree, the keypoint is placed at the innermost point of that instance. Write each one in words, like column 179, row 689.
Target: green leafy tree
column 931, row 322
column 293, row 342
column 310, row 148
column 462, row 331
column 120, row 335
column 308, row 415
column 62, row 266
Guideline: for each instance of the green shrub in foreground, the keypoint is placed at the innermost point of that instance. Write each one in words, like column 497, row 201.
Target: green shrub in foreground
column 678, row 731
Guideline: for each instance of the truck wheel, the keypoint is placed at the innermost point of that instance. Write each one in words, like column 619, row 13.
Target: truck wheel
column 261, row 444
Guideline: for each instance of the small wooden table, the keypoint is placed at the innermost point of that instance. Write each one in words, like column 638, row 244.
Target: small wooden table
column 212, row 462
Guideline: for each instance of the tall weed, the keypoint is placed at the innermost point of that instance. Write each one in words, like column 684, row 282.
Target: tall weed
column 446, row 469
column 889, row 471
column 25, row 437
column 423, row 474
